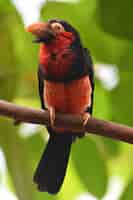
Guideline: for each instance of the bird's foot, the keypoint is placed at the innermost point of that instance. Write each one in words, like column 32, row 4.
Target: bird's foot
column 52, row 116
column 86, row 117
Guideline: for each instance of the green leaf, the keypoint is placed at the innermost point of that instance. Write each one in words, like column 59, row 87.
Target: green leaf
column 18, row 162
column 90, row 166
column 35, row 146
column 121, row 98
column 115, row 17
column 112, row 147
column 128, row 192
column 60, row 10
column 104, row 47
column 103, row 110
column 8, row 62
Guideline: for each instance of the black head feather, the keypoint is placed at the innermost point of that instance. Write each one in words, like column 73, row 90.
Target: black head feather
column 67, row 27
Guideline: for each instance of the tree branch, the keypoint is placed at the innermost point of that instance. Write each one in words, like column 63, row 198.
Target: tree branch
column 95, row 126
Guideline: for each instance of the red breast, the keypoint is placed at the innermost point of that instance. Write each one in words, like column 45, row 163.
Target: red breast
column 73, row 97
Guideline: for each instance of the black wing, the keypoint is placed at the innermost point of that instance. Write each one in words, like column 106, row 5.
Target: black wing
column 89, row 65
column 41, row 87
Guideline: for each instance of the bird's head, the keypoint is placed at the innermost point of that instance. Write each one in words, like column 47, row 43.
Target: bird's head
column 48, row 32
column 59, row 43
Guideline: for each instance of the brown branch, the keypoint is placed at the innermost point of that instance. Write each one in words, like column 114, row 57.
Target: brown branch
column 95, row 126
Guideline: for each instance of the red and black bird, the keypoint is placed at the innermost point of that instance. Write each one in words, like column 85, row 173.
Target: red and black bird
column 66, row 85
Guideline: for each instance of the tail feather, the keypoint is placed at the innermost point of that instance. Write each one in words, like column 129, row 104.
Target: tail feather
column 51, row 170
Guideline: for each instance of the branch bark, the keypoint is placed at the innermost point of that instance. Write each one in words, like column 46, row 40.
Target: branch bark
column 94, row 126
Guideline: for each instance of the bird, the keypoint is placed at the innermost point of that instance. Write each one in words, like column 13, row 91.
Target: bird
column 66, row 85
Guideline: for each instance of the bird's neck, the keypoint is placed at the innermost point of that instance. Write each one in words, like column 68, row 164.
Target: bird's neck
column 56, row 58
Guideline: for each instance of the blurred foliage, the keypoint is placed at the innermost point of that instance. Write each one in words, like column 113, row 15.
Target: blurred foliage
column 105, row 28
column 90, row 166
column 118, row 20
column 128, row 192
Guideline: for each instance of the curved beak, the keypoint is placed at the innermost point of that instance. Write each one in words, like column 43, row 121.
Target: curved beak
column 42, row 31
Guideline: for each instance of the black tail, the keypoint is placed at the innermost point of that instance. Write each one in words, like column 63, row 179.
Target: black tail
column 51, row 170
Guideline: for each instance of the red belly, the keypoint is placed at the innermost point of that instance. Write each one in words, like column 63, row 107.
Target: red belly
column 73, row 97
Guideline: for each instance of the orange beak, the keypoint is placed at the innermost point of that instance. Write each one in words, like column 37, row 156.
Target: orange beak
column 42, row 31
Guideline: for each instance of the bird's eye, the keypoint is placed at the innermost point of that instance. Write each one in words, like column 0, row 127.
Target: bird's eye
column 57, row 27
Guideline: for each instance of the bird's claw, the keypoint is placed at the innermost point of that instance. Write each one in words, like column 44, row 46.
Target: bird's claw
column 86, row 117
column 52, row 116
